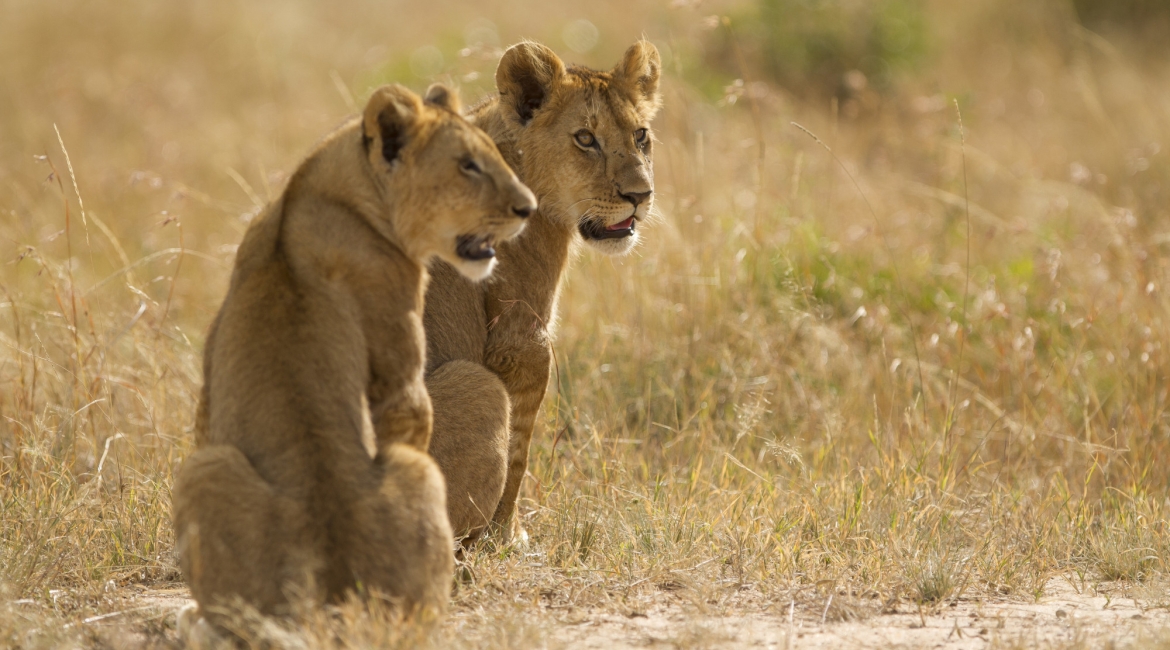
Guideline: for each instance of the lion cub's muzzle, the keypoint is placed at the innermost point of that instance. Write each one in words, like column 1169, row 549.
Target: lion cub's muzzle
column 597, row 229
column 476, row 247
column 524, row 202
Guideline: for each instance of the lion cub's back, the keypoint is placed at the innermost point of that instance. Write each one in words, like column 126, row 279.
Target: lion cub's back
column 286, row 370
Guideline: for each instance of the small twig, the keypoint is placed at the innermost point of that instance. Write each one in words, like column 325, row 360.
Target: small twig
column 68, row 252
column 125, row 270
column 73, row 178
column 955, row 630
column 102, row 617
column 178, row 266
column 791, row 616
column 745, row 468
column 106, row 452
column 16, row 327
column 343, row 91
column 560, row 432
column 966, row 278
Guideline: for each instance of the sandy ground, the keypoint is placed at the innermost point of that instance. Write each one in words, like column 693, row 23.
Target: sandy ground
column 1063, row 617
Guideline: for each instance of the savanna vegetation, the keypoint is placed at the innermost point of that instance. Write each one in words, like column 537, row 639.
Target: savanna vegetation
column 900, row 334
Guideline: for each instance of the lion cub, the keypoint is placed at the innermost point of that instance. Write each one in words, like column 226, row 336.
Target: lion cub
column 324, row 315
column 582, row 139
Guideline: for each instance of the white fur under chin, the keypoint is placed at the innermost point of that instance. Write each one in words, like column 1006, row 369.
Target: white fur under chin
column 476, row 271
column 616, row 247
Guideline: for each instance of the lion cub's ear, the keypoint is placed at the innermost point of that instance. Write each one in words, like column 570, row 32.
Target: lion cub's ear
column 638, row 75
column 526, row 77
column 389, row 120
column 440, row 95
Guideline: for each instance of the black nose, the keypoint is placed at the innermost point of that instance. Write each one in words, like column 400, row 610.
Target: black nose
column 522, row 211
column 637, row 198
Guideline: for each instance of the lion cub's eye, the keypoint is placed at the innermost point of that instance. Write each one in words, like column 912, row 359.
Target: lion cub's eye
column 584, row 138
column 470, row 166
column 640, row 136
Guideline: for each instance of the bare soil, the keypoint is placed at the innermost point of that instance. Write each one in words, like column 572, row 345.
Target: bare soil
column 1064, row 617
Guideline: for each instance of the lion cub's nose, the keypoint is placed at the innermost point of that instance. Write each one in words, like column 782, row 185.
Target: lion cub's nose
column 525, row 204
column 637, row 198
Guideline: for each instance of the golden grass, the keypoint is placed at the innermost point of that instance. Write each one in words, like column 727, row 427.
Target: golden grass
column 782, row 395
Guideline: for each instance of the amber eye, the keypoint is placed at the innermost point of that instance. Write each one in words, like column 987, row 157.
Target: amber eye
column 641, row 135
column 584, row 138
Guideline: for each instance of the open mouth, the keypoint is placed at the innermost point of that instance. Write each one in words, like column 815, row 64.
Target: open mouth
column 595, row 230
column 475, row 247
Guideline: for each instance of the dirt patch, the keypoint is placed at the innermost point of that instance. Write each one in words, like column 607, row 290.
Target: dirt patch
column 1062, row 617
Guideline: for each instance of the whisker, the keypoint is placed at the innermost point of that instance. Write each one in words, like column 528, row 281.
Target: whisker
column 581, row 201
column 573, row 205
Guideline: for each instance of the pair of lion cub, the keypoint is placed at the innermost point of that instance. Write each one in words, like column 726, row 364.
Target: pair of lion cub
column 323, row 327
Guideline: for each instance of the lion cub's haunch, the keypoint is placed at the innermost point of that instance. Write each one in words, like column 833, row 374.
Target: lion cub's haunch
column 325, row 312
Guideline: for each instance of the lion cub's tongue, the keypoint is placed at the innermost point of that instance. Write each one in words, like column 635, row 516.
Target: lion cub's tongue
column 624, row 225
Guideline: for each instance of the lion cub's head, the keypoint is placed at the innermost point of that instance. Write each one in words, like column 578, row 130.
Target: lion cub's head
column 583, row 138
column 454, row 196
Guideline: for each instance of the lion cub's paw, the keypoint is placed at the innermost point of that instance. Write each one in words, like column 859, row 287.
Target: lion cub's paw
column 516, row 535
column 194, row 631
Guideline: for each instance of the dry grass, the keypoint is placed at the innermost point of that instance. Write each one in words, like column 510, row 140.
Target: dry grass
column 785, row 394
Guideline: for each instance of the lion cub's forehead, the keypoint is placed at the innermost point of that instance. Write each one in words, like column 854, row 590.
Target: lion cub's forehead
column 459, row 134
column 598, row 103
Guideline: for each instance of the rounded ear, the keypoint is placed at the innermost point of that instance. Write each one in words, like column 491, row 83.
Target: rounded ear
column 440, row 95
column 638, row 74
column 526, row 77
column 389, row 119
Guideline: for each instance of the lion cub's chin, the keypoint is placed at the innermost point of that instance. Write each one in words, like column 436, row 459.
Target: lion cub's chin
column 474, row 254
column 474, row 270
column 620, row 246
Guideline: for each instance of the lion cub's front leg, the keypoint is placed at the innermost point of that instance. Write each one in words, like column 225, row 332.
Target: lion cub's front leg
column 400, row 408
column 401, row 542
column 406, row 417
column 470, row 442
column 523, row 365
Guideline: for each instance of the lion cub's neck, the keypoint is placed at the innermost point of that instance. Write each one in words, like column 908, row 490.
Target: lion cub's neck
column 328, row 175
column 531, row 265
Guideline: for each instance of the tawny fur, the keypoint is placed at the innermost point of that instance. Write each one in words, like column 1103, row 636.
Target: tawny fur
column 324, row 313
column 488, row 345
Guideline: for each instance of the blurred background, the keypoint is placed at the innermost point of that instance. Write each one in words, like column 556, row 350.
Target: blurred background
column 963, row 303
column 219, row 100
